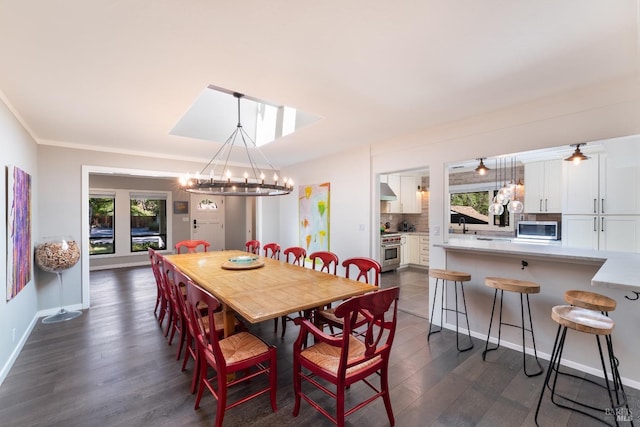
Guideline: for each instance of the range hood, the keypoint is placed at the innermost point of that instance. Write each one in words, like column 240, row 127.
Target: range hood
column 386, row 193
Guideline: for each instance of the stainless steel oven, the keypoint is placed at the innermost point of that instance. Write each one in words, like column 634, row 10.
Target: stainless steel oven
column 390, row 246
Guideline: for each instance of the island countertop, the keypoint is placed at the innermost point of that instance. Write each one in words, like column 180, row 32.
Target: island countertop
column 620, row 270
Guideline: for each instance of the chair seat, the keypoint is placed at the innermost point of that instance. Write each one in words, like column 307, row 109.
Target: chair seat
column 327, row 356
column 512, row 285
column 329, row 316
column 242, row 346
column 590, row 300
column 582, row 319
column 454, row 276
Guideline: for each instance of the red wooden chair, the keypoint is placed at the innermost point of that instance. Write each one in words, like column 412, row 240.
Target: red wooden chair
column 345, row 360
column 329, row 262
column 242, row 354
column 253, row 246
column 161, row 300
column 365, row 267
column 192, row 245
column 272, row 250
column 293, row 255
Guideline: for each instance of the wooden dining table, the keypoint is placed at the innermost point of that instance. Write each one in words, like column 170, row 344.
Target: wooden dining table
column 266, row 290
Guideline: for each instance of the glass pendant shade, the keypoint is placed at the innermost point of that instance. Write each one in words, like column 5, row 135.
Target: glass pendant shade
column 496, row 208
column 516, row 206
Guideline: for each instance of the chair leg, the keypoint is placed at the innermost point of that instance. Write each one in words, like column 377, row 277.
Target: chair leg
column 533, row 340
column 340, row 405
column 297, row 385
column 493, row 308
column 273, row 379
column 275, row 325
column 384, row 386
column 222, row 401
column 433, row 307
column 464, row 303
column 552, row 362
column 284, row 326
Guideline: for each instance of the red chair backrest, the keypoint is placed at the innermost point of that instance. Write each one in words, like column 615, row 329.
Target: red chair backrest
column 272, row 250
column 253, row 246
column 381, row 322
column 298, row 255
column 329, row 261
column 192, row 245
column 364, row 266
column 155, row 266
column 204, row 323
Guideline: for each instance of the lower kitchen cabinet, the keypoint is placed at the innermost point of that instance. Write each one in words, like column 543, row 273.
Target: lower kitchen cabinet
column 416, row 250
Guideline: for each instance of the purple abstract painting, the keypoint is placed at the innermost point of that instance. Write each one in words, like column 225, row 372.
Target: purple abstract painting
column 19, row 231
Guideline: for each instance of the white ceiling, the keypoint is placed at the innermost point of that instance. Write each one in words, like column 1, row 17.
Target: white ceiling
column 118, row 75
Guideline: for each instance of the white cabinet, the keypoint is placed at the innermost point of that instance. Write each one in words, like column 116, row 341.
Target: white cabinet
column 404, row 253
column 543, row 187
column 602, row 185
column 413, row 249
column 409, row 199
column 424, row 251
column 417, row 250
column 602, row 232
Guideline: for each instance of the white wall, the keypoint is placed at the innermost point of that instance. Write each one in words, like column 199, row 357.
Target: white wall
column 18, row 149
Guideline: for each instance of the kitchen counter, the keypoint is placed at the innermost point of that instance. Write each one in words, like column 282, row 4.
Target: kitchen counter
column 619, row 270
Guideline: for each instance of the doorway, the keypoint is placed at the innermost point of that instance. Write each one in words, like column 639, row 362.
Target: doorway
column 207, row 220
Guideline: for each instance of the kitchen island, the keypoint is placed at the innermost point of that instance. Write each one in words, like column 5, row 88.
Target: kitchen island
column 557, row 269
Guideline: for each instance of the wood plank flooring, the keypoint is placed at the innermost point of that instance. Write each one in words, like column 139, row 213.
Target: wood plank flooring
column 112, row 367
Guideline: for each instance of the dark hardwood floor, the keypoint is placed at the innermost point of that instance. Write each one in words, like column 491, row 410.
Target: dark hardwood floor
column 112, row 367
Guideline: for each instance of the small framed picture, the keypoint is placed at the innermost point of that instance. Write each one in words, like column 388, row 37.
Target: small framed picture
column 180, row 207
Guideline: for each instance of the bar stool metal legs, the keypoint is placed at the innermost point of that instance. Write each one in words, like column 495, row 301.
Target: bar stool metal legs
column 568, row 317
column 523, row 288
column 451, row 276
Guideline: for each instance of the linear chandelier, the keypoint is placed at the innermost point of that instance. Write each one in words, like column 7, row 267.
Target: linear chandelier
column 250, row 184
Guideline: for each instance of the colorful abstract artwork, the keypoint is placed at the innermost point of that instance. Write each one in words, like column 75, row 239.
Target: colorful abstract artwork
column 314, row 217
column 18, row 230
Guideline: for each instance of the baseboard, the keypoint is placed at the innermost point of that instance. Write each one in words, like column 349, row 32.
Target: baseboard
column 16, row 351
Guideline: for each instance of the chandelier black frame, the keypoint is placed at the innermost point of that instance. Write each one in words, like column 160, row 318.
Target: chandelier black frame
column 252, row 184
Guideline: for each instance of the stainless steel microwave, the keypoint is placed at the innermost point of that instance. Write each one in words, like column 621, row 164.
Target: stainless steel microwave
column 539, row 230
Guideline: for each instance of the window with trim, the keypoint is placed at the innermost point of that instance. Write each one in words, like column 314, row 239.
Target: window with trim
column 148, row 221
column 469, row 204
column 101, row 220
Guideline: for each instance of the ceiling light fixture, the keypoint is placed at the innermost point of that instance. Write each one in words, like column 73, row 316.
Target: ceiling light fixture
column 577, row 155
column 251, row 184
column 482, row 169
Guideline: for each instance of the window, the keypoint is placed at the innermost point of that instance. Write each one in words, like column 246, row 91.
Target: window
column 469, row 204
column 101, row 218
column 148, row 219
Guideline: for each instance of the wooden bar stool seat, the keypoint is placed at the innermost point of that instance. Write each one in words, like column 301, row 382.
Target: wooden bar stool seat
column 588, row 321
column 590, row 300
column 455, row 277
column 523, row 288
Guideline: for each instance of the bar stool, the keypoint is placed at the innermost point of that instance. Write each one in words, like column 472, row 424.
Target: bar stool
column 590, row 301
column 589, row 322
column 523, row 288
column 455, row 277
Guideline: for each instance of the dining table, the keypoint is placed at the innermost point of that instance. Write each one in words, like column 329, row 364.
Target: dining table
column 258, row 288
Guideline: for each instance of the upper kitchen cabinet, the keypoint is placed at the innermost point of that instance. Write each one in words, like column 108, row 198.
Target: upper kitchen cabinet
column 409, row 199
column 603, row 185
column 543, row 187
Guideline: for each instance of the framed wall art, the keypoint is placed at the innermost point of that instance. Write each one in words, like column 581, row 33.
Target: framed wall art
column 314, row 209
column 19, row 257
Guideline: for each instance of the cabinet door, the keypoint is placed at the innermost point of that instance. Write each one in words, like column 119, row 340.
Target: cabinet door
column 620, row 233
column 552, row 186
column 534, row 187
column 424, row 251
column 413, row 248
column 580, row 231
column 580, row 187
column 619, row 186
column 404, row 254
column 410, row 197
column 395, row 206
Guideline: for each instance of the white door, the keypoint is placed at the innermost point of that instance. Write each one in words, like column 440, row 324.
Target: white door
column 207, row 220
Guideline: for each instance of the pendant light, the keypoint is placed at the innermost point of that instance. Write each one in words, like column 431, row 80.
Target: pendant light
column 496, row 207
column 482, row 169
column 250, row 184
column 577, row 157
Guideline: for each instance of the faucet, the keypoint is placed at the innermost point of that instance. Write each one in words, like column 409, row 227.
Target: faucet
column 463, row 222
